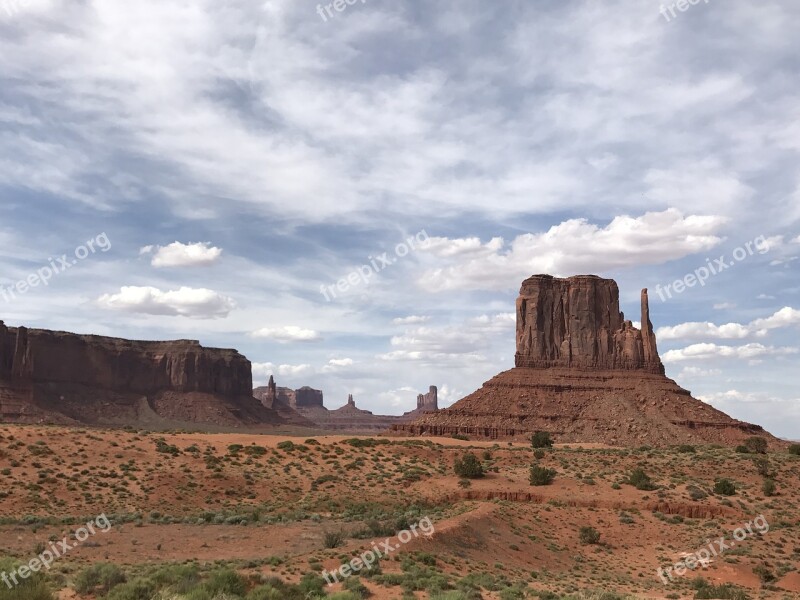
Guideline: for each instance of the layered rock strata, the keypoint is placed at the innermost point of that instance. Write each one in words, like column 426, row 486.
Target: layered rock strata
column 584, row 374
column 59, row 377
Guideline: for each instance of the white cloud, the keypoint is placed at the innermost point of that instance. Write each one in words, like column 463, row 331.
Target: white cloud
column 185, row 302
column 337, row 364
column 287, row 333
column 177, row 254
column 724, row 306
column 765, row 297
column 711, row 351
column 411, row 320
column 698, row 372
column 573, row 247
column 796, row 240
column 264, row 370
column 785, row 317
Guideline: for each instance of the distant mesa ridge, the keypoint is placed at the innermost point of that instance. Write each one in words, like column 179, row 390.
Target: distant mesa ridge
column 66, row 378
column 585, row 374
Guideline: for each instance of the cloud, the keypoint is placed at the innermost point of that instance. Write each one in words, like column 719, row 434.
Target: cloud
column 185, row 302
column 785, row 317
column 264, row 370
column 698, row 372
column 177, row 254
column 724, row 306
column 573, row 247
column 287, row 333
column 711, row 351
column 411, row 320
column 765, row 297
column 337, row 364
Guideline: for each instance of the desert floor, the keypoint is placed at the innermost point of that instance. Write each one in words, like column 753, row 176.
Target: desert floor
column 286, row 507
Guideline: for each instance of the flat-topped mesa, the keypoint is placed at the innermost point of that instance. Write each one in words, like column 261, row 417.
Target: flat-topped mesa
column 576, row 323
column 36, row 356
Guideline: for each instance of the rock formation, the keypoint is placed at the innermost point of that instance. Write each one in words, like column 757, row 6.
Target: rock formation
column 428, row 402
column 51, row 376
column 576, row 323
column 307, row 402
column 585, row 374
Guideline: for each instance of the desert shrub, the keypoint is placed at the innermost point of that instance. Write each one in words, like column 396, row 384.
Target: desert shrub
column 756, row 445
column 32, row 588
column 538, row 454
column 356, row 587
column 333, row 539
column 640, row 480
column 542, row 475
column 794, row 449
column 687, row 449
column 288, row 445
column 589, row 535
column 180, row 579
column 164, row 448
column 762, row 466
column 102, row 577
column 742, row 450
column 720, row 592
column 225, row 581
column 312, row 586
column 235, row 448
column 458, row 436
column 764, row 573
column 695, row 493
column 541, row 439
column 725, row 487
column 265, row 592
column 366, row 442
column 468, row 466
column 133, row 590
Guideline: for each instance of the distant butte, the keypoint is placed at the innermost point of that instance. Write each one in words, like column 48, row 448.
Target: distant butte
column 585, row 374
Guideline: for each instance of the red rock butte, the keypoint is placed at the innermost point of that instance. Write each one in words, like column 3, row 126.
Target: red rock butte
column 584, row 374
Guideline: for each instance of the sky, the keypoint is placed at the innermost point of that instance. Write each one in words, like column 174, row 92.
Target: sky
column 351, row 198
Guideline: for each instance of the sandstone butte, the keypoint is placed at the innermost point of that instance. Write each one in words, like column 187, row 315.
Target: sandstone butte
column 64, row 378
column 585, row 374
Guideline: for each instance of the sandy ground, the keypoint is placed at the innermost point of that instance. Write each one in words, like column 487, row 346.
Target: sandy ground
column 180, row 497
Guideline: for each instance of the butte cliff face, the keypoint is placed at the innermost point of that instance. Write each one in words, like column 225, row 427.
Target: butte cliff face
column 50, row 376
column 576, row 323
column 584, row 374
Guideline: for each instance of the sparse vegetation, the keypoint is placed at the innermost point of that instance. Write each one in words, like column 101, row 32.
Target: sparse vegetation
column 541, row 439
column 468, row 466
column 541, row 475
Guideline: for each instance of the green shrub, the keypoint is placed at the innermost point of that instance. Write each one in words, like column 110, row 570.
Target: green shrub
column 769, row 488
column 725, row 487
column 721, row 592
column 756, row 445
column 468, row 466
column 538, row 454
column 742, row 450
column 542, row 475
column 32, row 588
column 133, row 590
column 102, row 578
column 641, row 480
column 794, row 449
column 541, row 439
column 225, row 581
column 589, row 535
column 687, row 449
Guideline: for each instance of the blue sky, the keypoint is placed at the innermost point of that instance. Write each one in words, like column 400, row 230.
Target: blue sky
column 239, row 156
